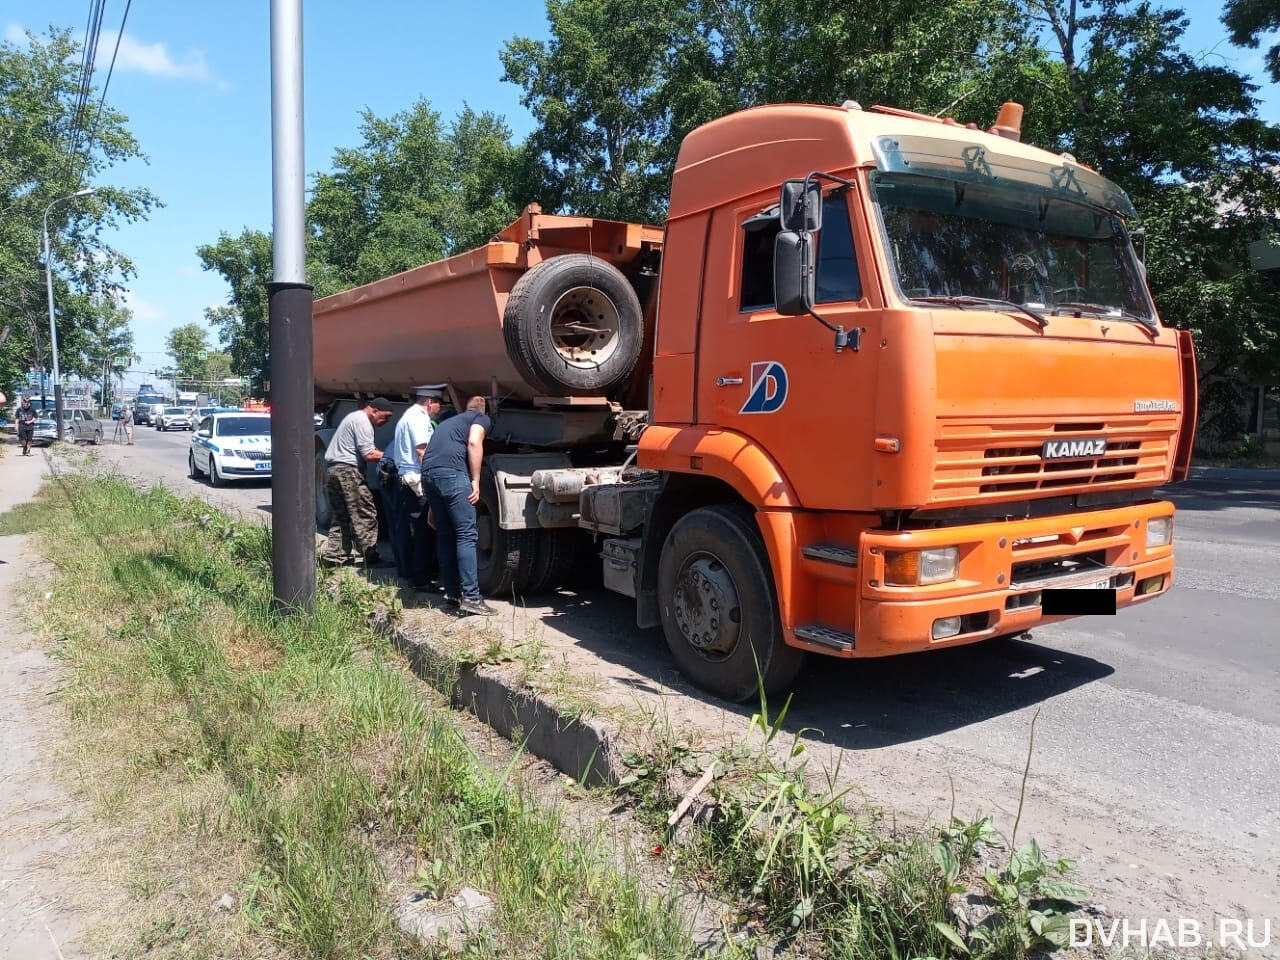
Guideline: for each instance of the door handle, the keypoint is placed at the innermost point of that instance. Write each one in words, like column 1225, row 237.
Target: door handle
column 727, row 381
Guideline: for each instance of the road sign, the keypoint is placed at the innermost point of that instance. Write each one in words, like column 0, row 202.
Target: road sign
column 122, row 361
column 203, row 354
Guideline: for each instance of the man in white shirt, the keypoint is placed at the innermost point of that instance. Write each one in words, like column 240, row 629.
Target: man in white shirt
column 412, row 541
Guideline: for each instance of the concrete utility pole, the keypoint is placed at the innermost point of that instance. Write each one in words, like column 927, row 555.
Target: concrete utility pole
column 293, row 497
column 53, row 329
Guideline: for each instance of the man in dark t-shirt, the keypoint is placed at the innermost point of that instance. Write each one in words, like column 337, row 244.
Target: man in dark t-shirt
column 451, row 481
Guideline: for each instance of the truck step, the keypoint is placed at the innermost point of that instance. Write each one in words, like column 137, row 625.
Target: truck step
column 827, row 636
column 836, row 553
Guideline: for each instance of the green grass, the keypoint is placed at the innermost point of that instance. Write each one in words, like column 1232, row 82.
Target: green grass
column 293, row 761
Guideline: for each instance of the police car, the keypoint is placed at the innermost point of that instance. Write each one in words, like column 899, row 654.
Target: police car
column 231, row 446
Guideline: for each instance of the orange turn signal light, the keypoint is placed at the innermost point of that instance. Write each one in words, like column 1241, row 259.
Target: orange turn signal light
column 902, row 568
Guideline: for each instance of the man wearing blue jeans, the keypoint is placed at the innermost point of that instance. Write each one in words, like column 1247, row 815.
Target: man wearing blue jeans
column 451, row 481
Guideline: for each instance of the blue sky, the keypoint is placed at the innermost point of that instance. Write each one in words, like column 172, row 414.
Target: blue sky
column 194, row 80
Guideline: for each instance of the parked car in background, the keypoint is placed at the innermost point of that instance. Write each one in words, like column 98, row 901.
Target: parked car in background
column 77, row 425
column 231, row 446
column 173, row 418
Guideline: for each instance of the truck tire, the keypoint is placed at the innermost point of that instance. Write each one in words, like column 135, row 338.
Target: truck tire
column 555, row 552
column 574, row 326
column 504, row 558
column 719, row 608
column 324, row 512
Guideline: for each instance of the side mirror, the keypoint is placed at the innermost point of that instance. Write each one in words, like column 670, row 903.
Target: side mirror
column 800, row 210
column 794, row 278
column 203, row 433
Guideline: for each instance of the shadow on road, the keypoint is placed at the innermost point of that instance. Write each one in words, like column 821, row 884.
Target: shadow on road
column 857, row 704
column 1204, row 494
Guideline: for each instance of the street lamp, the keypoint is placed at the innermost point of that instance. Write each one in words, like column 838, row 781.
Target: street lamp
column 53, row 330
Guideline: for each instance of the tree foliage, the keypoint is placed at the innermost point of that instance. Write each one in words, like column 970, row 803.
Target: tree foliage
column 1247, row 19
column 38, row 89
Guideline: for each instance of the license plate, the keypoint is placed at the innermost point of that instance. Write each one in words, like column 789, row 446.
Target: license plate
column 1104, row 584
column 262, row 466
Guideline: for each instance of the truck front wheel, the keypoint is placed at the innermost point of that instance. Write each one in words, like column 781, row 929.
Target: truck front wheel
column 719, row 608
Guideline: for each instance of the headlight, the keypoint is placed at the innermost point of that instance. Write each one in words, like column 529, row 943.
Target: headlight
column 228, row 452
column 919, row 568
column 1159, row 532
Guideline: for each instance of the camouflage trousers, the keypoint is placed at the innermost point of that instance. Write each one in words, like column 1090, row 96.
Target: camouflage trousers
column 355, row 517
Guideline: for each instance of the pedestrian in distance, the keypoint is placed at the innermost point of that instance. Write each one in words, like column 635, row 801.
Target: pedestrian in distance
column 412, row 541
column 451, row 479
column 26, row 419
column 126, row 421
column 355, row 516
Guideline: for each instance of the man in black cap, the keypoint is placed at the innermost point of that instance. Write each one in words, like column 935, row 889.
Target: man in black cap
column 355, row 517
column 412, row 540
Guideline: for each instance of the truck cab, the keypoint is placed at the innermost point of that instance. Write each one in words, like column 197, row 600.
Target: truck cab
column 925, row 384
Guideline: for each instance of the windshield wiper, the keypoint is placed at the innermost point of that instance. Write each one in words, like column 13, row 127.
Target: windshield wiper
column 1105, row 312
column 966, row 300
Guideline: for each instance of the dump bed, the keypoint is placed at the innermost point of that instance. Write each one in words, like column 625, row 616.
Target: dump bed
column 443, row 321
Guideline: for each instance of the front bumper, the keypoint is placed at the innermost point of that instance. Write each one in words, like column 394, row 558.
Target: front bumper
column 1003, row 567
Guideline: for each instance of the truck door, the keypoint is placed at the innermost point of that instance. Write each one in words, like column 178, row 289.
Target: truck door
column 778, row 379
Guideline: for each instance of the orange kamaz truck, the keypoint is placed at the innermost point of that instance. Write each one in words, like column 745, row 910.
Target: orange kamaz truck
column 883, row 383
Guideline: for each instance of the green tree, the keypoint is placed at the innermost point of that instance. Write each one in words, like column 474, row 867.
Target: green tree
column 244, row 262
column 188, row 345
column 1247, row 19
column 38, row 95
column 94, row 345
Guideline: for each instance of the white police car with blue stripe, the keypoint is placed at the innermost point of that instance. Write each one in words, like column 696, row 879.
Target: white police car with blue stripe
column 231, row 446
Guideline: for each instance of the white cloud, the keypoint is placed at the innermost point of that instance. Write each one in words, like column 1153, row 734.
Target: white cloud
column 187, row 270
column 153, row 59
column 136, row 56
column 142, row 310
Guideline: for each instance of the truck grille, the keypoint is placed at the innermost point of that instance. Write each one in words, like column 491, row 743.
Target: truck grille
column 979, row 461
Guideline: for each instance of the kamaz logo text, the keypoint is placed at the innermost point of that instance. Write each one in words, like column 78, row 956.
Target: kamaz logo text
column 1155, row 406
column 1065, row 449
column 768, row 387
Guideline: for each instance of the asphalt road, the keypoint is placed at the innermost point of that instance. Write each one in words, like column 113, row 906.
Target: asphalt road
column 1156, row 750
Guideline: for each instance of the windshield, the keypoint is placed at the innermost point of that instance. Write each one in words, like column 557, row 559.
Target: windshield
column 150, row 398
column 243, row 426
column 174, row 411
column 949, row 238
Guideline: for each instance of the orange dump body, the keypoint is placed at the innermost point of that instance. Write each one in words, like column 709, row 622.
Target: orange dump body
column 442, row 322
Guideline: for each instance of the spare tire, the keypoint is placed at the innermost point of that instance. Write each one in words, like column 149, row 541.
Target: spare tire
column 574, row 326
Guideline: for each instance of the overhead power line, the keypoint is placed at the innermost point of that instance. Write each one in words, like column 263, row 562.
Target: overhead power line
column 84, row 86
column 93, row 131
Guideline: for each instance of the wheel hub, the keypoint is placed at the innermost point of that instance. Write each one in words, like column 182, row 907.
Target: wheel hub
column 585, row 327
column 706, row 605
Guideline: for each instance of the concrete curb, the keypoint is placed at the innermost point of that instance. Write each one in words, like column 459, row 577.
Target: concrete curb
column 584, row 749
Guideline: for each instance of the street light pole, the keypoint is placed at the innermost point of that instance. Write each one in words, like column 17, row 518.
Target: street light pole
column 53, row 329
column 293, row 524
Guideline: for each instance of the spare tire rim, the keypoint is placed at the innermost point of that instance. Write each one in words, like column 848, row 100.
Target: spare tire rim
column 585, row 327
column 707, row 607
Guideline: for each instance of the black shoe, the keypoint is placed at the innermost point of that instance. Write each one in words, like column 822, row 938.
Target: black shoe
column 373, row 558
column 476, row 608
